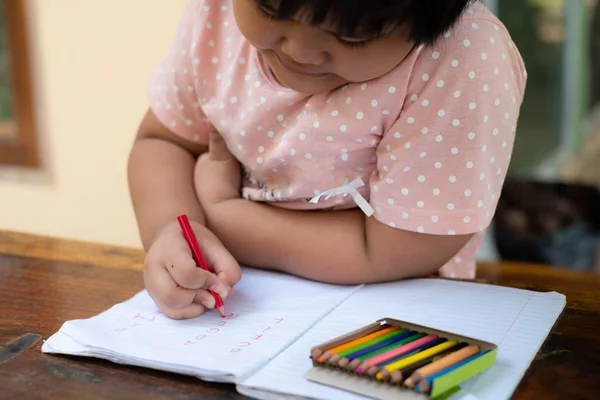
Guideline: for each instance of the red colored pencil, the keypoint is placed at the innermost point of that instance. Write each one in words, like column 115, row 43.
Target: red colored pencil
column 191, row 240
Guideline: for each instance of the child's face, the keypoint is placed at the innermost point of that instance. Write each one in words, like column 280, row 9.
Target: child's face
column 315, row 60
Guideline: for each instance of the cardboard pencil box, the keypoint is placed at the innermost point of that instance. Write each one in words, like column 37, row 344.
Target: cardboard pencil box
column 342, row 378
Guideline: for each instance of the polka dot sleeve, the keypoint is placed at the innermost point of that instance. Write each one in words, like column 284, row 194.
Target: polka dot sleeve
column 442, row 164
column 171, row 90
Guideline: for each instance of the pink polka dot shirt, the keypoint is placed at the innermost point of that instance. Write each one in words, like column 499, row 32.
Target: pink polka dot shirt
column 430, row 141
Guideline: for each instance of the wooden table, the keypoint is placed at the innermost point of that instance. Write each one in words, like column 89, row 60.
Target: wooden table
column 45, row 281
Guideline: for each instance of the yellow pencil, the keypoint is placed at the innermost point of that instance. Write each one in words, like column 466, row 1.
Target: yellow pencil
column 386, row 371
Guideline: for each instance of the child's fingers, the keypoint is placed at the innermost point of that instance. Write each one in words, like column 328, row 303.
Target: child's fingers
column 217, row 148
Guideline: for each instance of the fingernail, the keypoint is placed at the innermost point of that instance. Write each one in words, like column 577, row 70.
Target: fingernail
column 208, row 303
column 220, row 289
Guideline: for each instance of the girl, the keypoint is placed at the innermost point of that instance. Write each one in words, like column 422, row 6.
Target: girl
column 373, row 138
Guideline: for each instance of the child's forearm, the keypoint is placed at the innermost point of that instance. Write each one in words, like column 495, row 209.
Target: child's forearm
column 342, row 247
column 161, row 183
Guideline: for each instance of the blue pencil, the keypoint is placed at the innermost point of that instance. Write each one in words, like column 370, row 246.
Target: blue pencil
column 426, row 384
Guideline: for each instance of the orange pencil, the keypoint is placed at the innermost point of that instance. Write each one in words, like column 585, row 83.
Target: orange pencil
column 441, row 364
column 331, row 352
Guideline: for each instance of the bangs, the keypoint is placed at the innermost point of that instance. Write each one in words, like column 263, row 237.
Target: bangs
column 425, row 20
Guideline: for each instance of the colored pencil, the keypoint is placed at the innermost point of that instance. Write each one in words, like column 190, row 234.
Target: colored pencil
column 425, row 385
column 374, row 370
column 329, row 353
column 381, row 358
column 359, row 360
column 440, row 364
column 387, row 370
column 190, row 238
column 402, row 374
column 372, row 345
column 318, row 352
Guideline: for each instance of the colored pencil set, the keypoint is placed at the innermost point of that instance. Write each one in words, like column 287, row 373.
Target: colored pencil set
column 406, row 356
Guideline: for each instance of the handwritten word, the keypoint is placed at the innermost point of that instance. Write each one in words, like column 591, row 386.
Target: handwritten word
column 202, row 335
column 138, row 319
column 253, row 339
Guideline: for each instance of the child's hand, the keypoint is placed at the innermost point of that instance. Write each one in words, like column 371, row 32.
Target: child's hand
column 177, row 285
column 218, row 176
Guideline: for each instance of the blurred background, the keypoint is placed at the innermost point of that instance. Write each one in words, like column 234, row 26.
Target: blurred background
column 72, row 81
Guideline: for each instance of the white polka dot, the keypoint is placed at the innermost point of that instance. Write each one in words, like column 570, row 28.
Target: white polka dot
column 335, row 113
column 360, row 115
column 389, row 180
column 472, row 74
column 457, row 94
column 486, row 88
column 481, row 176
column 425, row 77
column 420, row 229
column 420, row 204
column 496, row 71
column 261, row 149
column 483, row 56
column 435, row 55
column 405, row 215
column 474, row 25
column 440, row 83
column 292, row 151
column 215, row 60
column 410, row 120
column 397, row 135
column 343, row 128
column 404, row 191
column 480, row 204
column 437, row 165
column 242, row 133
column 439, row 138
column 492, row 40
column 421, row 178
column 302, row 136
column 469, row 164
column 345, row 157
column 271, row 134
column 454, row 63
column 452, row 179
column 495, row 132
column 484, row 148
column 455, row 122
column 436, row 192
column 451, row 232
column 454, row 150
column 450, row 206
column 259, row 160
column 434, row 218
column 407, row 145
column 391, row 202
column 385, row 112
column 468, row 193
column 441, row 113
column 414, row 97
column 472, row 106
column 486, row 118
column 425, row 103
column 466, row 42
column 316, row 124
column 280, row 118
column 423, row 154
column 348, row 100
column 374, row 103
column 425, row 131
column 471, row 135
column 392, row 89
column 506, row 116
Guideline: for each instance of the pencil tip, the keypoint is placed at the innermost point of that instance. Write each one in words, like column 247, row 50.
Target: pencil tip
column 221, row 310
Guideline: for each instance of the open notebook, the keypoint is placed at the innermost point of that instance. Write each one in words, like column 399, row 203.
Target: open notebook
column 274, row 319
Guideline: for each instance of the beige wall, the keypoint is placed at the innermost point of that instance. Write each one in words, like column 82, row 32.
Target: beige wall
column 91, row 60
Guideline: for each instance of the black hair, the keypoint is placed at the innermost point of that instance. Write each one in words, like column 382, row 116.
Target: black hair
column 426, row 20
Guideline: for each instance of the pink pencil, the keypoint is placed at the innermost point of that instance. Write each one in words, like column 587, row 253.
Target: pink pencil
column 405, row 349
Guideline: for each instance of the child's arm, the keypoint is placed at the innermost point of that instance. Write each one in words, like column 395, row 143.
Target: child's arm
column 160, row 177
column 343, row 247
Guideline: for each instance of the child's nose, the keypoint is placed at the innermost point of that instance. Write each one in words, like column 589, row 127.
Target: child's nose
column 304, row 46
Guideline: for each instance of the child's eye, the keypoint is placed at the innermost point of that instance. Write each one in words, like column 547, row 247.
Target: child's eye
column 354, row 43
column 266, row 11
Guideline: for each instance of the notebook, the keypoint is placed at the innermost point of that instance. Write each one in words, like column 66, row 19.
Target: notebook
column 273, row 320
